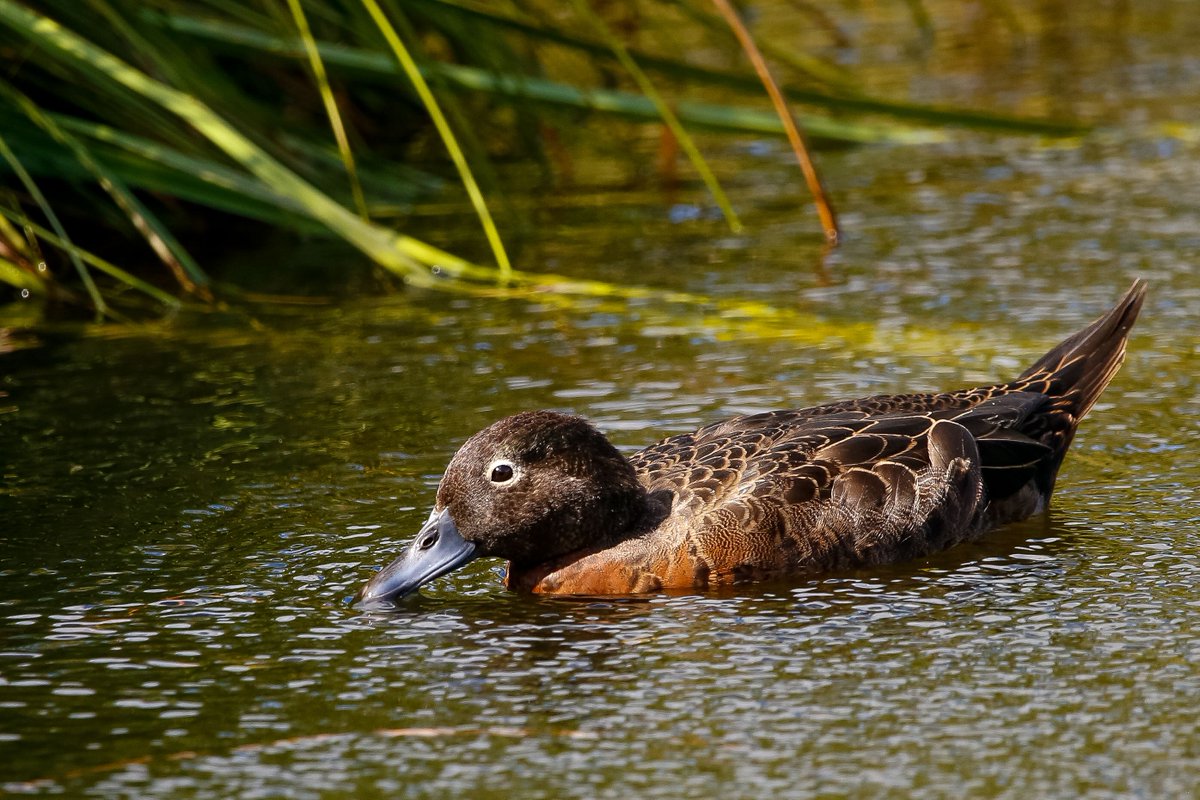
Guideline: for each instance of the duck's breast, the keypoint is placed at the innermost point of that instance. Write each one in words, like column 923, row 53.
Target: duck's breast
column 664, row 558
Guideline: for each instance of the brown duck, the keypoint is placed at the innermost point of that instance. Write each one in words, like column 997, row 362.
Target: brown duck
column 844, row 485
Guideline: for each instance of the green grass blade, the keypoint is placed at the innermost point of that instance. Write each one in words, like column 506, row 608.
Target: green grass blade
column 331, row 108
column 12, row 239
column 17, row 273
column 851, row 101
column 382, row 245
column 30, row 186
column 76, row 252
column 496, row 56
column 18, row 278
column 139, row 44
column 187, row 272
column 443, row 127
column 158, row 168
column 126, row 152
column 712, row 116
column 366, row 63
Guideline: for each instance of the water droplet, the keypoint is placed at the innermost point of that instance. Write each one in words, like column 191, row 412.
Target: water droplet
column 41, row 266
column 24, row 294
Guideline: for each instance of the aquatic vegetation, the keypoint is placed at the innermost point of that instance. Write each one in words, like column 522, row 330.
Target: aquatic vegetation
column 309, row 116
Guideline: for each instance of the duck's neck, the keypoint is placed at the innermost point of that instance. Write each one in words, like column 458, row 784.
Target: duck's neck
column 600, row 518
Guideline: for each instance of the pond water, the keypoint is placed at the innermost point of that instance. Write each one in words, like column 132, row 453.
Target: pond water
column 187, row 507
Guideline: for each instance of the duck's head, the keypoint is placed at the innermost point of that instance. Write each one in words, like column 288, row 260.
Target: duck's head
column 528, row 488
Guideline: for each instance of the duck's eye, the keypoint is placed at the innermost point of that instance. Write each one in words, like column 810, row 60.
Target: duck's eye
column 502, row 472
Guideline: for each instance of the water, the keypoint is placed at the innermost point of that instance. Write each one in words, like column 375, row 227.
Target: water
column 187, row 508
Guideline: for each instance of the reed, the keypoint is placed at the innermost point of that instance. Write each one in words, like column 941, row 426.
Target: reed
column 134, row 116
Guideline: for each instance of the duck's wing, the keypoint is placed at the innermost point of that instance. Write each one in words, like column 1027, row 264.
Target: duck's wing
column 797, row 491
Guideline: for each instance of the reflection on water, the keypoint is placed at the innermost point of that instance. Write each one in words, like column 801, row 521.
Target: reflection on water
column 185, row 513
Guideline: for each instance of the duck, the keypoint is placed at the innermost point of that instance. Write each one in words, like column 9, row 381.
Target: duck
column 845, row 485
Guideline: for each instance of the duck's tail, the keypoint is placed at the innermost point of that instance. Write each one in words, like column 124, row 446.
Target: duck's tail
column 1071, row 378
column 1076, row 372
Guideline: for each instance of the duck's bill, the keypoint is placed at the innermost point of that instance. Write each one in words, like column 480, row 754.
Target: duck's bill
column 437, row 549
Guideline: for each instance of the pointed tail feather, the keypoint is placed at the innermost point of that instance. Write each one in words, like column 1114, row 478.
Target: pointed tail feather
column 1081, row 367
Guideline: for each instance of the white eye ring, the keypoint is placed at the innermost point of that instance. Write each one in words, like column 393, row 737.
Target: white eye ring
column 502, row 472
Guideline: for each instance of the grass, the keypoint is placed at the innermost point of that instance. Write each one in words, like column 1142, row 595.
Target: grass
column 145, row 119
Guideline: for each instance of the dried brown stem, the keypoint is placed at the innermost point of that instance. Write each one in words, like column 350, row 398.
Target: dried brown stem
column 824, row 208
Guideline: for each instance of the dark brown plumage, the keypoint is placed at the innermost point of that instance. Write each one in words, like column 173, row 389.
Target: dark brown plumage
column 849, row 484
